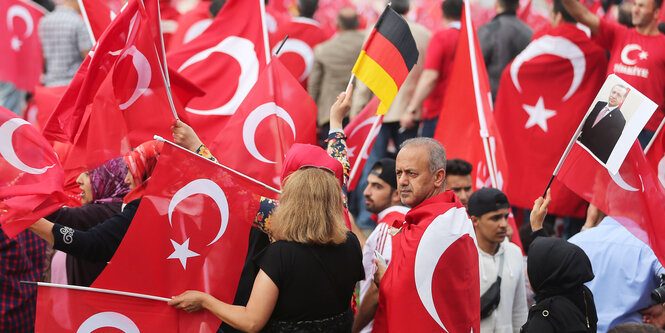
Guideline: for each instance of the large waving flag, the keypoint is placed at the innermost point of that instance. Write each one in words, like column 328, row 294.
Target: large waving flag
column 98, row 14
column 191, row 231
column 538, row 117
column 225, row 62
column 21, row 60
column 61, row 309
column 276, row 113
column 31, row 176
column 466, row 124
column 387, row 57
column 655, row 153
column 120, row 83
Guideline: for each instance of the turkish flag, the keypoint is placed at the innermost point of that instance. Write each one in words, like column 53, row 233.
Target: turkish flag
column 191, row 231
column 31, row 176
column 634, row 196
column 533, row 16
column 276, row 113
column 538, row 117
column 46, row 100
column 357, row 131
column 468, row 102
column 98, row 14
column 61, row 310
column 21, row 60
column 297, row 54
column 121, row 84
column 191, row 25
column 655, row 153
column 433, row 273
column 225, row 62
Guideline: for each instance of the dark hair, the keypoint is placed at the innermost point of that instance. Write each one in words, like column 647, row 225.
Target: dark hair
column 458, row 166
column 347, row 19
column 510, row 5
column 307, row 8
column 624, row 15
column 557, row 7
column 452, row 9
column 657, row 4
column 216, row 6
column 400, row 6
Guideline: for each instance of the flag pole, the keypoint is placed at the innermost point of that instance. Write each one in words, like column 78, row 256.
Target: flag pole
column 98, row 290
column 660, row 127
column 484, row 134
column 348, row 86
column 264, row 28
column 281, row 44
column 363, row 149
column 566, row 152
column 87, row 22
column 159, row 138
column 161, row 38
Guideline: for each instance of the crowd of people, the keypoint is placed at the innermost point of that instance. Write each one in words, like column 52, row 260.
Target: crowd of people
column 332, row 261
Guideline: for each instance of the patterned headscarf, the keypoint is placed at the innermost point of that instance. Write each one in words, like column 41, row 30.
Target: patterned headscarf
column 108, row 181
column 141, row 162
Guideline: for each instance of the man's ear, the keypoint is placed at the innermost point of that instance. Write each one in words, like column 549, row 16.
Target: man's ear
column 475, row 220
column 395, row 198
column 439, row 178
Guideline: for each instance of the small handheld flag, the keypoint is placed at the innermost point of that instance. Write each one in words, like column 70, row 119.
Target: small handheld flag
column 387, row 57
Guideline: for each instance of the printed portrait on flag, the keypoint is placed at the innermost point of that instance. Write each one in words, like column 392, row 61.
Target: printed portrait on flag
column 613, row 122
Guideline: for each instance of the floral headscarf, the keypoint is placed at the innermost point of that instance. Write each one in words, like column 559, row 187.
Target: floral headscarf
column 141, row 162
column 108, row 181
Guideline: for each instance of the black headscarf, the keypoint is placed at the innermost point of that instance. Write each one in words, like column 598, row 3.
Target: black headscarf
column 558, row 268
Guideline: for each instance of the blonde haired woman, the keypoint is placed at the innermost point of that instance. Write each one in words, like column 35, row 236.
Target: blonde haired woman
column 307, row 276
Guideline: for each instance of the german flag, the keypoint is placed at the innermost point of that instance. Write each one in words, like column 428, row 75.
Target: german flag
column 387, row 57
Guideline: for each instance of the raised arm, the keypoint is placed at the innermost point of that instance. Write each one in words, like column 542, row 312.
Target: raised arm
column 184, row 135
column 582, row 15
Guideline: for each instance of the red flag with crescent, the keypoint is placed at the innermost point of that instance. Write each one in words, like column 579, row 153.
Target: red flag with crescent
column 276, row 113
column 21, row 60
column 469, row 103
column 225, row 62
column 31, row 176
column 118, row 88
column 537, row 118
column 634, row 196
column 655, row 154
column 433, row 273
column 191, row 25
column 357, row 131
column 63, row 310
column 297, row 54
column 191, row 231
column 98, row 14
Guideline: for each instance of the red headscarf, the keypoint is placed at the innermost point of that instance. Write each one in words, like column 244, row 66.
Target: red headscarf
column 141, row 162
column 303, row 155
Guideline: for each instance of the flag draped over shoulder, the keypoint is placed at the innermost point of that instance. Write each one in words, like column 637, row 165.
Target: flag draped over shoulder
column 191, row 231
column 466, row 126
column 387, row 57
column 61, row 310
column 31, row 176
column 537, row 117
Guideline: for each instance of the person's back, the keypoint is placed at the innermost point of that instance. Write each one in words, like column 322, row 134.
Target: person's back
column 626, row 271
column 314, row 281
column 501, row 39
column 65, row 41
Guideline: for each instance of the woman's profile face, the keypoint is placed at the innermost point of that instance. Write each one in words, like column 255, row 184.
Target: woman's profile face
column 129, row 180
column 86, row 189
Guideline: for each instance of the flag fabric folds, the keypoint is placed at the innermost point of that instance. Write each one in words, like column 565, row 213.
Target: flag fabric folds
column 468, row 103
column 387, row 57
column 61, row 310
column 634, row 196
column 191, row 231
column 31, row 177
column 276, row 113
column 357, row 132
column 537, row 117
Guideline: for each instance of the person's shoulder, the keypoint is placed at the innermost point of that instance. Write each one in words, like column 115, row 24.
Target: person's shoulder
column 512, row 249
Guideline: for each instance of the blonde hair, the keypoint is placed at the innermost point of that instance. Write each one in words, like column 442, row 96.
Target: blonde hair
column 310, row 209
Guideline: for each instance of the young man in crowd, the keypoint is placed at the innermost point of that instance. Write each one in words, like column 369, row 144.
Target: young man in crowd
column 381, row 199
column 458, row 179
column 502, row 288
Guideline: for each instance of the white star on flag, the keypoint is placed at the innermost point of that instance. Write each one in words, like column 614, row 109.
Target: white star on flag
column 350, row 152
column 182, row 252
column 538, row 114
column 643, row 55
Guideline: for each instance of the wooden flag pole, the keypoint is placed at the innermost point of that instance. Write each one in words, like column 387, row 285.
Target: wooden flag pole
column 98, row 290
